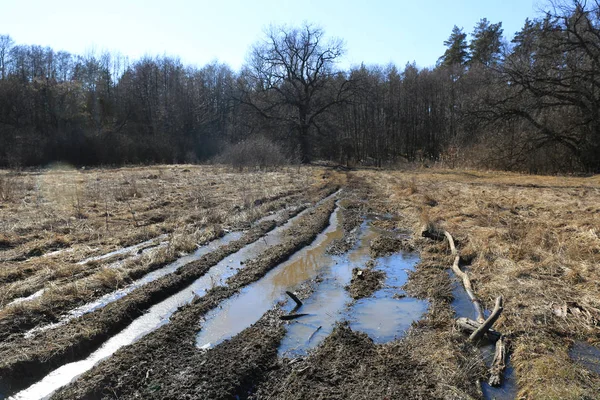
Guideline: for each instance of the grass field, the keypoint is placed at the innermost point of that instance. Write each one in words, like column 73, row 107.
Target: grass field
column 535, row 240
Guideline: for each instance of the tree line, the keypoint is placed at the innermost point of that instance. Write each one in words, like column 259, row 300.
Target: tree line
column 531, row 103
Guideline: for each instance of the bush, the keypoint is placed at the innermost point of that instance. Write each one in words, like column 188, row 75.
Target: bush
column 253, row 152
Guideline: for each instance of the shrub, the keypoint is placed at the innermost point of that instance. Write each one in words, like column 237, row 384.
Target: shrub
column 253, row 152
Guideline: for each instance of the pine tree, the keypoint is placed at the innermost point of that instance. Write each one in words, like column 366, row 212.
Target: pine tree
column 456, row 52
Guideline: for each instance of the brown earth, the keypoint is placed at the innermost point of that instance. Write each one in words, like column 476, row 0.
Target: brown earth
column 533, row 239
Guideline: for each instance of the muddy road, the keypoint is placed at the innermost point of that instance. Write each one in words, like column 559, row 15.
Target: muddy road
column 199, row 309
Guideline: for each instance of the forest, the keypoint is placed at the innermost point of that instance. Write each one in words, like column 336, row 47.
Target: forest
column 527, row 103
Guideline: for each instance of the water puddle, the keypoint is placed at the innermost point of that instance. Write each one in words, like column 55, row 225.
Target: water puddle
column 152, row 276
column 388, row 312
column 463, row 307
column 27, row 298
column 586, row 355
column 130, row 250
column 156, row 316
column 328, row 303
column 271, row 238
column 236, row 314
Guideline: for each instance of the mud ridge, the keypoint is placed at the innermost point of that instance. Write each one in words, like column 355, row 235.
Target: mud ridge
column 174, row 338
column 32, row 358
column 365, row 281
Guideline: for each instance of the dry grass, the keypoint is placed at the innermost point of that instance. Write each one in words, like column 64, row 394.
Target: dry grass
column 533, row 239
column 78, row 214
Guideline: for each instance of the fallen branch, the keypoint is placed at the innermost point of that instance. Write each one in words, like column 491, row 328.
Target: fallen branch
column 499, row 363
column 296, row 299
column 468, row 325
column 483, row 328
column 291, row 316
column 465, row 279
column 313, row 334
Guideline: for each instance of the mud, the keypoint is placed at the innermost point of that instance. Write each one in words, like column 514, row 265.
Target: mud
column 365, row 281
column 348, row 365
column 386, row 245
column 178, row 334
column 351, row 221
column 49, row 349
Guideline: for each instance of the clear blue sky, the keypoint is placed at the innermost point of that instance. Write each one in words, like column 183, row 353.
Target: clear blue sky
column 375, row 31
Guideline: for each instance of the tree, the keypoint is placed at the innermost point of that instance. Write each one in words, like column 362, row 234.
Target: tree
column 457, row 49
column 486, row 43
column 6, row 43
column 291, row 76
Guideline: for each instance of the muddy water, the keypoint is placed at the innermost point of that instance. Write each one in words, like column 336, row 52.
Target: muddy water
column 329, row 302
column 463, row 307
column 388, row 312
column 586, row 355
column 236, row 314
column 156, row 316
column 383, row 316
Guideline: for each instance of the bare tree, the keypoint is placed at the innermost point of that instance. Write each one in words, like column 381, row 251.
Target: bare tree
column 6, row 43
column 291, row 78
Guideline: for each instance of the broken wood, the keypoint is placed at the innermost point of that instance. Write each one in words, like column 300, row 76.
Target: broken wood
column 296, row 299
column 465, row 279
column 468, row 325
column 291, row 316
column 483, row 328
column 313, row 334
column 499, row 363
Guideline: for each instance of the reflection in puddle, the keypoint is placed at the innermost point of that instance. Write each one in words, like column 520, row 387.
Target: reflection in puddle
column 381, row 316
column 586, row 355
column 241, row 311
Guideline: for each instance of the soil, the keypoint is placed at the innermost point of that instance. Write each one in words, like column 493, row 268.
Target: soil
column 385, row 245
column 250, row 354
column 365, row 281
column 532, row 239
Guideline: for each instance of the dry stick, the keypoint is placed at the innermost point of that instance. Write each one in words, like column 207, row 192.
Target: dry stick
column 499, row 363
column 483, row 328
column 313, row 334
column 296, row 299
column 468, row 325
column 291, row 316
column 465, row 279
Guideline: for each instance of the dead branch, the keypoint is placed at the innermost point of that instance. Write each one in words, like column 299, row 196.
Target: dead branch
column 468, row 325
column 499, row 363
column 296, row 299
column 313, row 334
column 291, row 316
column 483, row 328
column 465, row 278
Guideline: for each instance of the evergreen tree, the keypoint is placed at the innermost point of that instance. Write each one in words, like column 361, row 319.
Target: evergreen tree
column 457, row 49
column 486, row 43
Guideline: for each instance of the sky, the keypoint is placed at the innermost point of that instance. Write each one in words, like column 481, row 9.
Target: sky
column 199, row 32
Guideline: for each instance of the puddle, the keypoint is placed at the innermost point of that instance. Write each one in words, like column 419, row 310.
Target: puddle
column 382, row 316
column 329, row 302
column 28, row 298
column 508, row 390
column 463, row 307
column 586, row 355
column 152, row 276
column 155, row 317
column 130, row 250
column 271, row 238
column 236, row 314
